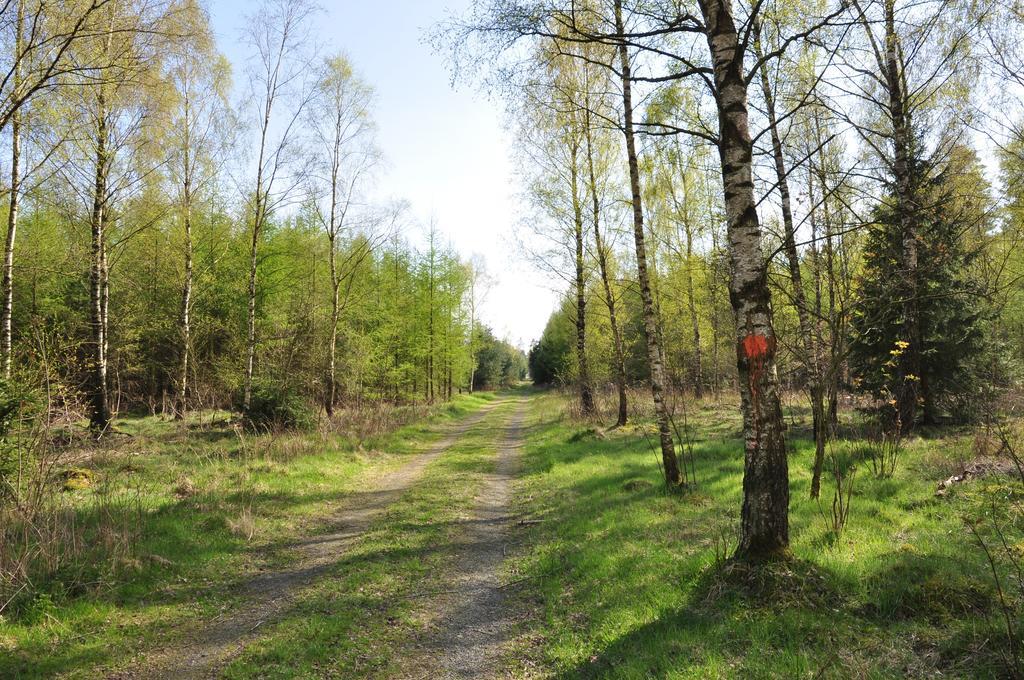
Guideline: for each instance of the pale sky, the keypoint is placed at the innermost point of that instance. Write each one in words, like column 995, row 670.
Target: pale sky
column 446, row 149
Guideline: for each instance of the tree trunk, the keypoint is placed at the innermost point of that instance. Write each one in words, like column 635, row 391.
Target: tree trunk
column 716, row 281
column 691, row 302
column 602, row 262
column 6, row 342
column 765, row 513
column 331, row 395
column 682, row 212
column 472, row 331
column 259, row 216
column 586, row 395
column 830, row 375
column 673, row 474
column 250, row 359
column 811, row 358
column 99, row 404
column 430, row 324
column 186, row 302
column 909, row 375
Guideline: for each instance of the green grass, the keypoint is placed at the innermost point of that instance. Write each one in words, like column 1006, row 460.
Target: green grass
column 360, row 618
column 622, row 580
column 619, row 579
column 169, row 506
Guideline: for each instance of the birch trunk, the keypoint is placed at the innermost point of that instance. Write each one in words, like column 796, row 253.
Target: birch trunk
column 186, row 298
column 673, row 474
column 331, row 396
column 602, row 263
column 99, row 403
column 259, row 215
column 6, row 343
column 250, row 357
column 586, row 395
column 691, row 303
column 682, row 210
column 765, row 513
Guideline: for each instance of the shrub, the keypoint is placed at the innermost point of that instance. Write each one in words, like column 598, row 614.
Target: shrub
column 275, row 407
column 841, row 466
column 18, row 411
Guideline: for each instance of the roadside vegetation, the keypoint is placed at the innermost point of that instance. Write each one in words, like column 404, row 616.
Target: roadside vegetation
column 137, row 541
column 624, row 579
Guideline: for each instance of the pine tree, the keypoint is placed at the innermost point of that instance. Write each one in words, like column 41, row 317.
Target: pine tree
column 949, row 300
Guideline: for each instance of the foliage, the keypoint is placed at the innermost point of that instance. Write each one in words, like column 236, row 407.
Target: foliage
column 275, row 407
column 19, row 409
column 952, row 307
column 551, row 356
column 499, row 364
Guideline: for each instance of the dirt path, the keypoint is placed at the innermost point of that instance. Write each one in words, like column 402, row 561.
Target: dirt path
column 268, row 596
column 467, row 638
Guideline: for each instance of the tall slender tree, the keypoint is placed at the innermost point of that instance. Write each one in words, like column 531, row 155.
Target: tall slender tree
column 669, row 460
column 279, row 35
column 196, row 145
column 339, row 117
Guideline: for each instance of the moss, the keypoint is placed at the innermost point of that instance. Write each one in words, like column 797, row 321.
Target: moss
column 77, row 478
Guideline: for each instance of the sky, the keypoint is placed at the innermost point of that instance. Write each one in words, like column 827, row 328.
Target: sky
column 447, row 152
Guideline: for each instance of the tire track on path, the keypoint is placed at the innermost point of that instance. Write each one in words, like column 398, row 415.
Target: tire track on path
column 268, row 596
column 468, row 638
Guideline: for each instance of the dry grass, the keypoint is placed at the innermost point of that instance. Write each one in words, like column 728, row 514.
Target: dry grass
column 244, row 526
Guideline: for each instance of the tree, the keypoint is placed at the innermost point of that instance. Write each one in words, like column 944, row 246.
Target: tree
column 501, row 364
column 554, row 151
column 278, row 33
column 479, row 284
column 951, row 304
column 597, row 146
column 6, row 347
column 339, row 117
column 120, row 116
column 808, row 333
column 765, row 514
column 914, row 68
column 198, row 131
column 669, row 461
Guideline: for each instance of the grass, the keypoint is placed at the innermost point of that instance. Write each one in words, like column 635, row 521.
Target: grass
column 610, row 575
column 625, row 581
column 206, row 508
column 359, row 620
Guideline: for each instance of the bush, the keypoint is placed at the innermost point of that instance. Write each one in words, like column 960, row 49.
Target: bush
column 275, row 407
column 18, row 407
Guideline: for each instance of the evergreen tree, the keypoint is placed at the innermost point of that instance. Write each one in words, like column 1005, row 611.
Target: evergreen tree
column 951, row 304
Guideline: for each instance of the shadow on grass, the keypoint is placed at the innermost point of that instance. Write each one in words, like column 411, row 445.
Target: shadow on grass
column 628, row 584
column 793, row 619
column 726, row 611
column 180, row 559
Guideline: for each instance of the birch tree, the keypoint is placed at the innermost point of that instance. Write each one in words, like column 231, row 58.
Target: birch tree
column 342, row 129
column 116, row 154
column 278, row 35
column 199, row 128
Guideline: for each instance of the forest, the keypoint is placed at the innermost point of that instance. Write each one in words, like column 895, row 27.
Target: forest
column 254, row 421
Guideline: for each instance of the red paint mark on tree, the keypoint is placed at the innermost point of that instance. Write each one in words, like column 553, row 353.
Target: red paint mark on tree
column 756, row 347
column 756, row 350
